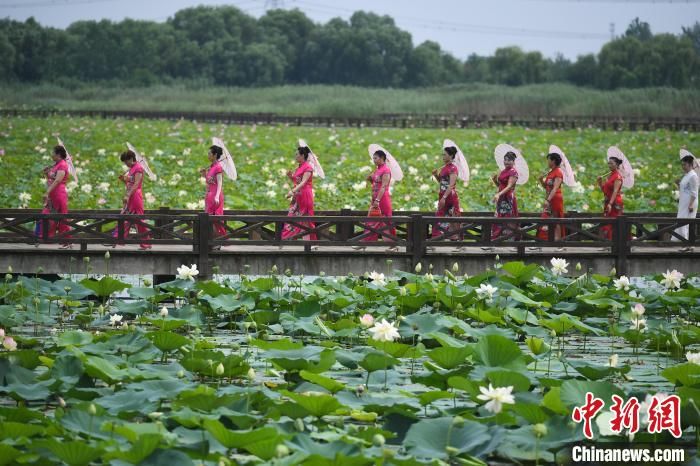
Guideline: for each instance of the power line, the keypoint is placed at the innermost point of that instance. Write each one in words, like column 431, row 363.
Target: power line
column 52, row 3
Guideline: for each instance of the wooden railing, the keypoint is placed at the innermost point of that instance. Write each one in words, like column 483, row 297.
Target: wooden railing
column 410, row 231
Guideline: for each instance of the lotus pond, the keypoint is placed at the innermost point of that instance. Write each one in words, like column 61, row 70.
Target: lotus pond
column 177, row 150
column 394, row 367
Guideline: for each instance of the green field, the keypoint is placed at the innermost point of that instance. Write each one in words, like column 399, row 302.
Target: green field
column 177, row 150
column 347, row 101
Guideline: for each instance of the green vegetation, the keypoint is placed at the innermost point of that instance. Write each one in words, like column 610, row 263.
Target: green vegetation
column 347, row 101
column 395, row 369
column 177, row 150
column 224, row 46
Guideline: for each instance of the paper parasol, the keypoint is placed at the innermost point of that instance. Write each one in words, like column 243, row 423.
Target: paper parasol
column 226, row 159
column 520, row 164
column 569, row 178
column 142, row 161
column 696, row 166
column 625, row 169
column 69, row 160
column 396, row 172
column 460, row 160
column 313, row 160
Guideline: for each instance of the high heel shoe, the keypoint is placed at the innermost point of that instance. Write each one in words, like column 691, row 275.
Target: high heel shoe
column 392, row 249
column 359, row 248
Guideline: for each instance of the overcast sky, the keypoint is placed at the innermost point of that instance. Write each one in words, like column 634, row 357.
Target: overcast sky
column 462, row 27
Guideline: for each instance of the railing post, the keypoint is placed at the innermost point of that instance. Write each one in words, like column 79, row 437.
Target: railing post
column 204, row 228
column 417, row 244
column 160, row 222
column 622, row 245
column 344, row 229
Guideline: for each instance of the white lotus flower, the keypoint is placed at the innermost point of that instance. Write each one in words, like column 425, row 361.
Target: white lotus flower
column 104, row 187
column 24, row 198
column 622, row 283
column 150, row 198
column 496, row 397
column 638, row 324
column 644, row 406
column 164, row 312
column 612, row 360
column 359, row 186
column 9, row 343
column 486, row 291
column 114, row 319
column 662, row 186
column 693, row 358
column 559, row 266
column 384, row 331
column 377, row 278
column 672, row 279
column 187, row 273
column 603, row 423
column 86, row 188
column 367, row 320
column 638, row 310
column 424, row 187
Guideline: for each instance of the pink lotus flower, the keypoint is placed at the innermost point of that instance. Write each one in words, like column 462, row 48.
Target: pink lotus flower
column 9, row 343
column 367, row 320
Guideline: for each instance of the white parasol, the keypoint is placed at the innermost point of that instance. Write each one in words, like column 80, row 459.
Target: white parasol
column 569, row 177
column 69, row 160
column 520, row 164
column 460, row 160
column 142, row 161
column 696, row 166
column 396, row 172
column 226, row 159
column 313, row 160
column 625, row 169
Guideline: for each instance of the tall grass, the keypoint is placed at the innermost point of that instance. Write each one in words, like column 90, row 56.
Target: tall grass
column 347, row 101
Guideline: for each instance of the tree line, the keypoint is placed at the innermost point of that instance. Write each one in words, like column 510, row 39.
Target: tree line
column 225, row 46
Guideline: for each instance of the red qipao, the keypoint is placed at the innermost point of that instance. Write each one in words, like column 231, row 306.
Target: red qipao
column 57, row 202
column 134, row 205
column 451, row 206
column 617, row 205
column 556, row 205
column 384, row 202
column 209, row 206
column 302, row 204
column 507, row 204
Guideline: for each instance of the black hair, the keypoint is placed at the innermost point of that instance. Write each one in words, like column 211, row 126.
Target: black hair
column 688, row 159
column 128, row 155
column 451, row 151
column 554, row 157
column 617, row 161
column 60, row 150
column 510, row 155
column 305, row 151
column 217, row 151
column 381, row 154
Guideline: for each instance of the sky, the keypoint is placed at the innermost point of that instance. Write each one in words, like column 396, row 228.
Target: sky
column 461, row 27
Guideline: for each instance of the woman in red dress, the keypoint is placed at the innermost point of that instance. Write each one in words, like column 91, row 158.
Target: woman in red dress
column 448, row 201
column 505, row 199
column 214, row 199
column 612, row 190
column 301, row 195
column 553, row 200
column 56, row 197
column 133, row 198
column 380, row 204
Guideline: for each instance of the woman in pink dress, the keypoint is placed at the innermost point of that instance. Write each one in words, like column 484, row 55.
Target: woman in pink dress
column 613, row 205
column 56, row 197
column 133, row 198
column 380, row 204
column 505, row 199
column 214, row 200
column 448, row 201
column 301, row 195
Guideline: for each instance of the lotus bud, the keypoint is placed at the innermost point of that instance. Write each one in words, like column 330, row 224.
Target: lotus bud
column 274, row 269
column 86, row 259
column 389, row 262
column 107, row 255
column 220, row 369
column 180, row 374
column 419, row 267
column 164, row 312
column 36, row 300
column 360, row 389
column 8, row 277
column 540, row 429
column 430, row 268
column 378, row 440
column 552, row 333
column 288, row 272
column 458, row 421
column 498, row 257
column 250, row 374
column 613, row 271
column 452, row 451
column 402, row 291
column 9, row 269
column 455, row 267
column 281, row 451
column 299, row 424
column 322, row 273
column 147, row 283
column 155, row 415
column 92, row 409
column 578, row 266
column 61, row 402
column 67, row 289
column 40, row 269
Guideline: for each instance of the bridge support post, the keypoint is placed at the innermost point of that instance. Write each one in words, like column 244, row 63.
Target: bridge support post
column 204, row 232
column 416, row 241
column 621, row 245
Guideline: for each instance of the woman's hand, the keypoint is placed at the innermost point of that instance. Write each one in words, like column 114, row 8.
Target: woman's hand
column 369, row 178
column 125, row 199
column 435, row 172
column 203, row 172
column 290, row 174
column 496, row 197
column 290, row 194
column 441, row 203
column 608, row 208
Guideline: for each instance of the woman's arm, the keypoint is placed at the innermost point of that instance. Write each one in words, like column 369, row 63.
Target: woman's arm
column 553, row 192
column 304, row 179
column 385, row 185
column 616, row 190
column 60, row 174
column 137, row 182
column 219, row 184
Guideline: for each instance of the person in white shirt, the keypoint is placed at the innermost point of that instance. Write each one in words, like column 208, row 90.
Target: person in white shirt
column 688, row 195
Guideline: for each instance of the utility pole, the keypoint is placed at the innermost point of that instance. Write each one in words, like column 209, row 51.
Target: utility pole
column 612, row 31
column 274, row 4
